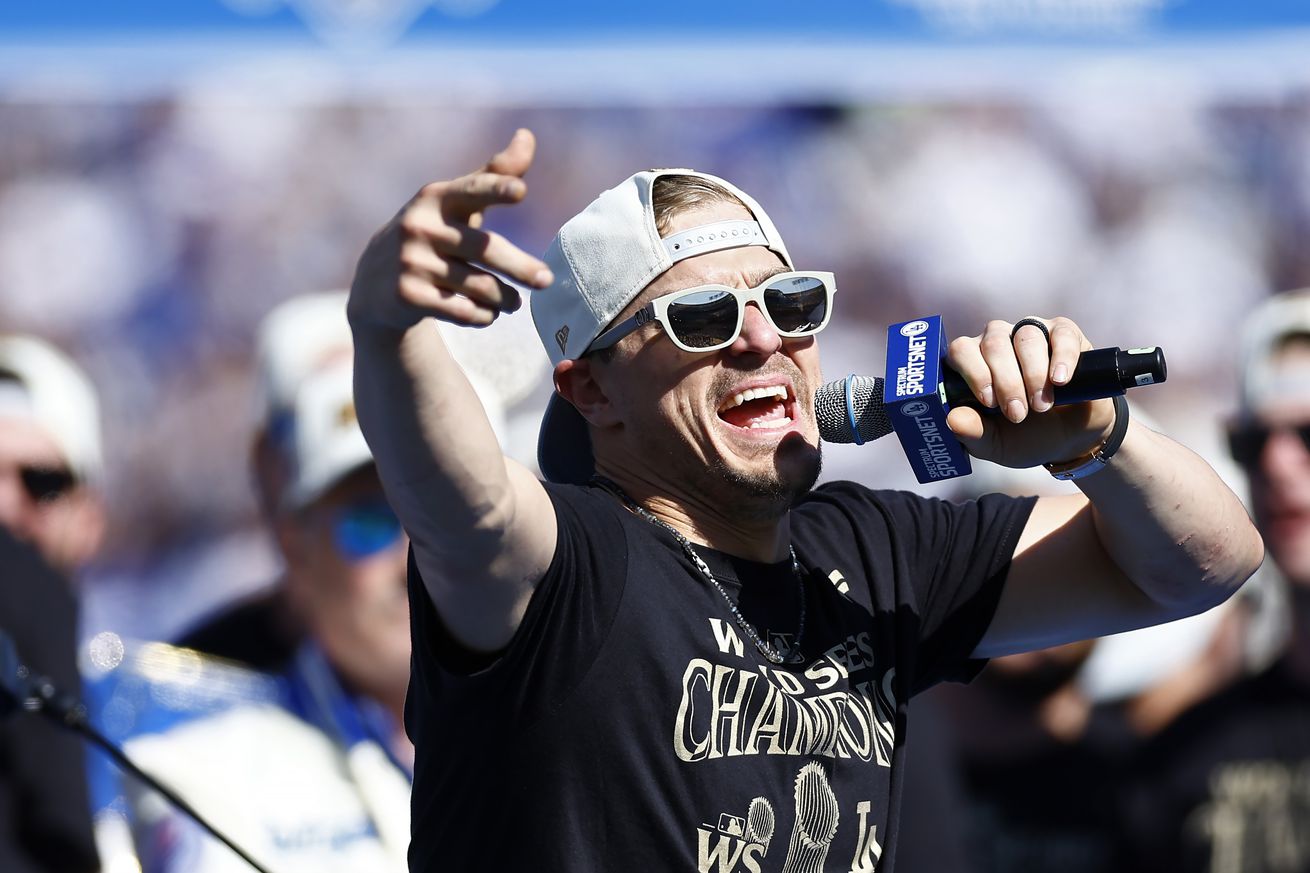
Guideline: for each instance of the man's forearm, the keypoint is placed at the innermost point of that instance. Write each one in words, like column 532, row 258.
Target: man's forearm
column 435, row 449
column 1171, row 524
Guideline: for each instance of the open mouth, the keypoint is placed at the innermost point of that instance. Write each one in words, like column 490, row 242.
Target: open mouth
column 764, row 408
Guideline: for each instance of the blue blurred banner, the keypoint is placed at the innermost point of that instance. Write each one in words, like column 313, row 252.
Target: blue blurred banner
column 519, row 19
column 587, row 51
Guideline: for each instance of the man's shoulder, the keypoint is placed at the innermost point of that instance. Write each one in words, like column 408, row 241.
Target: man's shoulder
column 842, row 492
column 276, row 783
column 852, row 496
column 239, row 728
column 588, row 497
column 153, row 687
column 258, row 632
column 1253, row 703
column 843, row 506
column 591, row 511
column 840, row 511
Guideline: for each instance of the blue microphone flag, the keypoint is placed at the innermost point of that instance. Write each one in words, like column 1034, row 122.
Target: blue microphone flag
column 915, row 401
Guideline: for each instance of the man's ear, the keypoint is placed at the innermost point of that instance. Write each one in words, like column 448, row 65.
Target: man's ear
column 576, row 381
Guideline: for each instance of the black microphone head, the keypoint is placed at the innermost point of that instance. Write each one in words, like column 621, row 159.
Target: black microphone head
column 866, row 404
column 1144, row 366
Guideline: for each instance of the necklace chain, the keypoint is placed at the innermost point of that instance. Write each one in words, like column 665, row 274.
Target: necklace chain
column 793, row 654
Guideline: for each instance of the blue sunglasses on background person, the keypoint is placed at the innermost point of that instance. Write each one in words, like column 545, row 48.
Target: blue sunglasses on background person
column 363, row 528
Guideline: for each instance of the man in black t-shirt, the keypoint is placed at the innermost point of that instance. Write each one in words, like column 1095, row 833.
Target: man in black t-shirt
column 674, row 654
column 1227, row 786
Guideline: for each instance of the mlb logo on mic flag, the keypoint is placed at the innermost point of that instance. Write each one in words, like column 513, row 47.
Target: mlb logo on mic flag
column 915, row 403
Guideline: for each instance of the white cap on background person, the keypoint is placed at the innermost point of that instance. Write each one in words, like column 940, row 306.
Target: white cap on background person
column 1264, row 332
column 327, row 444
column 299, row 337
column 50, row 453
column 42, row 384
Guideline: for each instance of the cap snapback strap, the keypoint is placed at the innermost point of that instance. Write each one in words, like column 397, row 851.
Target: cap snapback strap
column 713, row 237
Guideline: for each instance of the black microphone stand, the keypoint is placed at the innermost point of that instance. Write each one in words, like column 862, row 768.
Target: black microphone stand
column 20, row 690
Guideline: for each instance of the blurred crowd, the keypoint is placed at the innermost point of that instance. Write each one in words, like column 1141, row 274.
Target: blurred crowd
column 195, row 473
column 148, row 239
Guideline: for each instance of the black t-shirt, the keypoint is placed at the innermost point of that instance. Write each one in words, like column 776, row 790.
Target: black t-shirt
column 632, row 725
column 1227, row 785
column 1043, row 804
column 259, row 632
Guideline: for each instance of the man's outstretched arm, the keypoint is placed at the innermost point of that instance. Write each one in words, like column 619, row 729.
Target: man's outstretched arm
column 482, row 526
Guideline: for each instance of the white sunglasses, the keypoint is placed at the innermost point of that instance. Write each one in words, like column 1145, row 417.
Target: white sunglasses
column 710, row 317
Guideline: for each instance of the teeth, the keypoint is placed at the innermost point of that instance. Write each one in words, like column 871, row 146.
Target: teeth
column 774, row 423
column 779, row 391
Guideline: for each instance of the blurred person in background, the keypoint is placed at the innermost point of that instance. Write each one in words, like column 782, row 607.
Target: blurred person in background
column 1225, row 788
column 50, row 442
column 51, row 524
column 303, row 760
column 1038, row 763
column 280, row 717
column 1003, row 752
column 301, row 336
column 307, row 767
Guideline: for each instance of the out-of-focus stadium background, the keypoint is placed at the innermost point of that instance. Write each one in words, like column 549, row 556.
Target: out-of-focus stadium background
column 171, row 171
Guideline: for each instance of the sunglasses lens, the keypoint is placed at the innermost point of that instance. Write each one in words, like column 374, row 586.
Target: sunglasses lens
column 362, row 530
column 798, row 305
column 1247, row 442
column 704, row 319
column 46, row 484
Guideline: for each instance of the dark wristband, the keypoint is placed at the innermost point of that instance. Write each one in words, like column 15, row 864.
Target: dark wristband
column 1098, row 458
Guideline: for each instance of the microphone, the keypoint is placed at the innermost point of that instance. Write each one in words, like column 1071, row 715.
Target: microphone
column 861, row 408
column 1100, row 373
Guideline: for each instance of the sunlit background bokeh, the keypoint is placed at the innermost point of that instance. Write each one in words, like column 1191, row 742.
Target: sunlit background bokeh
column 169, row 171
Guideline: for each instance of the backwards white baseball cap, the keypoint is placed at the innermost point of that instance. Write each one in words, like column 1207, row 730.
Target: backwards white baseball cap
column 1264, row 331
column 602, row 258
column 40, row 383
